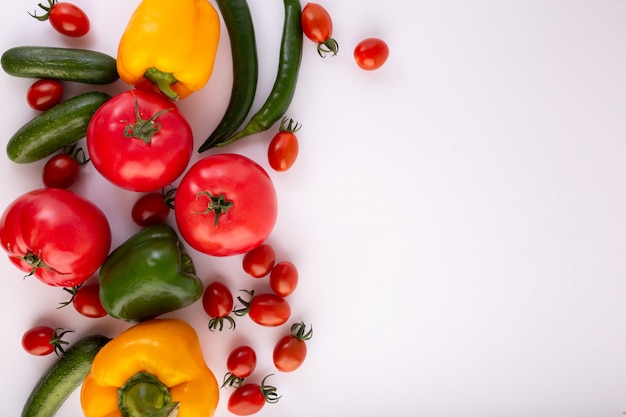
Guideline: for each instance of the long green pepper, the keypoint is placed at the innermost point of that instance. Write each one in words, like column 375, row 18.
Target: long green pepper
column 284, row 87
column 238, row 21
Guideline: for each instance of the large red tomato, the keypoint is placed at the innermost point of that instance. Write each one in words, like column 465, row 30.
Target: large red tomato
column 56, row 235
column 139, row 141
column 225, row 205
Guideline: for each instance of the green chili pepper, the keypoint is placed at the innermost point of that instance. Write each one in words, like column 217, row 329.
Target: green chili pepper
column 284, row 87
column 238, row 21
column 148, row 275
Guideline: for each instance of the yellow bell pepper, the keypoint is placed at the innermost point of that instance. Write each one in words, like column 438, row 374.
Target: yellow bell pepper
column 153, row 369
column 170, row 44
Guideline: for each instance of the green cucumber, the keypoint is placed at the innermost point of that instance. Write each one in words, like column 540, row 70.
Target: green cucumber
column 55, row 128
column 63, row 377
column 69, row 64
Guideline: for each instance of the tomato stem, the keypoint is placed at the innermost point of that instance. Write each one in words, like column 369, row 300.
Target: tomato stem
column 246, row 304
column 47, row 8
column 57, row 340
column 218, row 205
column 328, row 46
column 288, row 125
column 143, row 129
column 36, row 262
column 231, row 380
column 217, row 323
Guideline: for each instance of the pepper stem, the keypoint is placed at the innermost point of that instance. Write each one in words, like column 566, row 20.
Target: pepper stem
column 163, row 80
column 143, row 395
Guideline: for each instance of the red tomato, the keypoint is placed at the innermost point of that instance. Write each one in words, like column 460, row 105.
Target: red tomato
column 87, row 301
column 259, row 261
column 66, row 18
column 290, row 351
column 151, row 208
column 241, row 362
column 56, row 235
column 60, row 171
column 250, row 398
column 217, row 301
column 43, row 94
column 267, row 309
column 138, row 140
column 225, row 205
column 371, row 53
column 317, row 25
column 284, row 278
column 43, row 340
column 282, row 151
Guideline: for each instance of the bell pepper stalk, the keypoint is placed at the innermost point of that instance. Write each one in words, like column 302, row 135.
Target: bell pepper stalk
column 148, row 275
column 155, row 368
column 169, row 46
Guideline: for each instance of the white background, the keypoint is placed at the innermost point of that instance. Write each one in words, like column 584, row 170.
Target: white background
column 457, row 217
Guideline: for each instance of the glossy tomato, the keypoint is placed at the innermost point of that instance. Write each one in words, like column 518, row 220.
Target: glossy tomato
column 284, row 278
column 259, row 261
column 217, row 301
column 225, row 205
column 317, row 25
column 283, row 149
column 290, row 351
column 60, row 171
column 250, row 398
column 151, row 208
column 56, row 235
column 139, row 141
column 87, row 302
column 43, row 94
column 43, row 340
column 66, row 18
column 241, row 362
column 267, row 309
column 371, row 53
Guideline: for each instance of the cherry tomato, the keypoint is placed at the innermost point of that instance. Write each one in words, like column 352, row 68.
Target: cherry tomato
column 139, row 141
column 317, row 25
column 225, row 205
column 282, row 151
column 266, row 309
column 290, row 351
column 241, row 362
column 87, row 301
column 56, row 235
column 259, row 261
column 151, row 208
column 371, row 53
column 217, row 301
column 43, row 94
column 60, row 171
column 284, row 278
column 250, row 398
column 66, row 18
column 43, row 340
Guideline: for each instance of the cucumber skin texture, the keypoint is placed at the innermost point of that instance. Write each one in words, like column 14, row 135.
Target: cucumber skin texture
column 55, row 128
column 69, row 64
column 63, row 377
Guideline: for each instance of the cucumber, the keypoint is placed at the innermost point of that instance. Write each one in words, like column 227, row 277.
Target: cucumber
column 55, row 128
column 69, row 64
column 63, row 377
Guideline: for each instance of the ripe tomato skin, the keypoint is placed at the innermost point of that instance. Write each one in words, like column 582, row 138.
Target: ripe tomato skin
column 284, row 278
column 43, row 94
column 290, row 351
column 317, row 24
column 241, row 362
column 36, row 341
column 150, row 209
column 282, row 151
column 247, row 195
column 217, row 300
column 371, row 53
column 56, row 235
column 69, row 19
column 127, row 157
column 60, row 171
column 87, row 301
column 269, row 310
column 246, row 400
column 259, row 261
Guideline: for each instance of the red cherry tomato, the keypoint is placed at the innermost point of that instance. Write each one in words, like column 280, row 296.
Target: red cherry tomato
column 217, row 301
column 151, row 208
column 225, row 205
column 139, row 141
column 290, row 351
column 317, row 25
column 66, row 18
column 266, row 309
column 284, row 278
column 241, row 362
column 43, row 340
column 283, row 149
column 259, row 261
column 250, row 398
column 43, row 94
column 87, row 301
column 371, row 53
column 60, row 171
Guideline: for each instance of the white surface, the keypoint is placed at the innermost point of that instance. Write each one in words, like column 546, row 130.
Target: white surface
column 457, row 216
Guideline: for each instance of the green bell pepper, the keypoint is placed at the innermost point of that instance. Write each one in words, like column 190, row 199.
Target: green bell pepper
column 148, row 275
